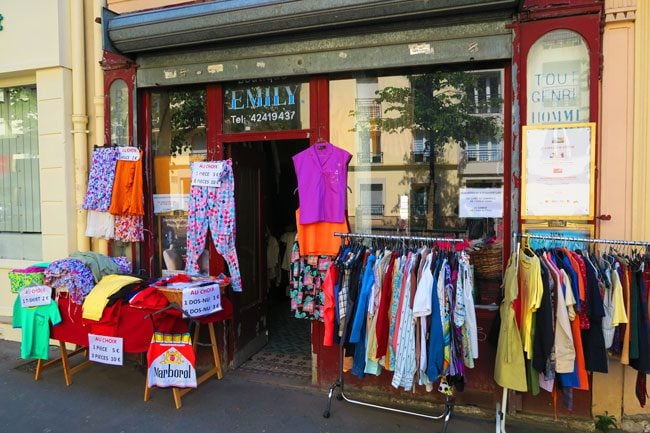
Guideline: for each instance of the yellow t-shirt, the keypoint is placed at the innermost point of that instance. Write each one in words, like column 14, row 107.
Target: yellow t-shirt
column 96, row 300
column 618, row 314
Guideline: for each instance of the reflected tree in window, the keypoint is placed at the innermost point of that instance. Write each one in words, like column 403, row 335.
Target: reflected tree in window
column 183, row 112
column 441, row 107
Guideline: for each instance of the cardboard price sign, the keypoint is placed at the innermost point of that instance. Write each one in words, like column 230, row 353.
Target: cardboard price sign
column 33, row 296
column 129, row 153
column 202, row 300
column 107, row 350
column 207, row 173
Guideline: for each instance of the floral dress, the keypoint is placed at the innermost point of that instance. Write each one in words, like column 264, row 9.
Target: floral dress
column 307, row 276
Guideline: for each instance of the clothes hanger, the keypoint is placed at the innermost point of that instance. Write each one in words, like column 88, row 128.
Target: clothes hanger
column 525, row 246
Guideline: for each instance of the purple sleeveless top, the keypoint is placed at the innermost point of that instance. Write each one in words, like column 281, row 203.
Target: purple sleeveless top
column 322, row 172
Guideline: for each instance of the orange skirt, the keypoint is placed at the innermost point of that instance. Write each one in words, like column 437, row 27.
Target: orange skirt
column 128, row 196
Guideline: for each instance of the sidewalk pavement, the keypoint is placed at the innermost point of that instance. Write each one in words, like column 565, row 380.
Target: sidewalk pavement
column 107, row 399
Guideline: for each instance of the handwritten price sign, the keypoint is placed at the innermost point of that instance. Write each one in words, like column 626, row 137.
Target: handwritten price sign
column 33, row 296
column 107, row 350
column 207, row 173
column 202, row 300
column 129, row 153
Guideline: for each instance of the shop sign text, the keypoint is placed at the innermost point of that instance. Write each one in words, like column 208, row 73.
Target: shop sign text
column 263, row 105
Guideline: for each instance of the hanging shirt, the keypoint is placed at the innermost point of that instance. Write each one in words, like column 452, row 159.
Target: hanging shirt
column 322, row 174
column 35, row 324
column 405, row 353
column 317, row 239
column 618, row 311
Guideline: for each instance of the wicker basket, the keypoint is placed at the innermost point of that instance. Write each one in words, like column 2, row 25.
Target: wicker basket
column 173, row 295
column 488, row 262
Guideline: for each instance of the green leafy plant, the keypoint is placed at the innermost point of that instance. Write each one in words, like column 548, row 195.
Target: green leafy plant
column 605, row 422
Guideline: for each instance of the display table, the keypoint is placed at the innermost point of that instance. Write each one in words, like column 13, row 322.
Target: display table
column 133, row 327
column 215, row 370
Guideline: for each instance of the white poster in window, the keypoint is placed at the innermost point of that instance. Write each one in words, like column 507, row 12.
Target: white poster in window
column 558, row 171
column 480, row 203
column 163, row 203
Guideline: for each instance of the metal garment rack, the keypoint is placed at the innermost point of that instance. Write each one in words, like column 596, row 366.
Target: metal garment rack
column 501, row 407
column 449, row 401
column 586, row 240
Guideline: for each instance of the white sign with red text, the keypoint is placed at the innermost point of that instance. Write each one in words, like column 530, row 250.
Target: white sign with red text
column 33, row 296
column 104, row 349
column 128, row 153
column 207, row 173
column 202, row 300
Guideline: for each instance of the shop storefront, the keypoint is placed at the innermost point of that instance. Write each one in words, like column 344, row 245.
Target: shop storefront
column 260, row 104
column 429, row 101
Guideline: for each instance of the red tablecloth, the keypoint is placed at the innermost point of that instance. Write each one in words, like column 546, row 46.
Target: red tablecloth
column 130, row 322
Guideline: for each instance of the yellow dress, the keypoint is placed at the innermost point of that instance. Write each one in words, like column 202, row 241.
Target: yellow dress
column 530, row 280
column 510, row 370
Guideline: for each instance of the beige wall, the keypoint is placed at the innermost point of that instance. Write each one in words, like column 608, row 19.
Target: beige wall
column 44, row 58
column 33, row 40
column 614, row 392
column 125, row 6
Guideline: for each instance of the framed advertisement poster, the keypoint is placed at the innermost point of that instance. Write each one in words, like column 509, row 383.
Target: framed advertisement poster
column 558, row 167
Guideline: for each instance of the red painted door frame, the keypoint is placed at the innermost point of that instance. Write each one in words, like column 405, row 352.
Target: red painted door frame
column 587, row 23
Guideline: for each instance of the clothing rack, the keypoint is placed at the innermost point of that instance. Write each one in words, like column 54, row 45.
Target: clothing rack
column 502, row 406
column 449, row 401
column 586, row 240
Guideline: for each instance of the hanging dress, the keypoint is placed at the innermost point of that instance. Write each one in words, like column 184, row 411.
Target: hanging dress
column 509, row 369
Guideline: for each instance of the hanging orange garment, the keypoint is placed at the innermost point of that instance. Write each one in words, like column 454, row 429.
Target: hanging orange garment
column 317, row 239
column 575, row 330
column 128, row 196
column 580, row 356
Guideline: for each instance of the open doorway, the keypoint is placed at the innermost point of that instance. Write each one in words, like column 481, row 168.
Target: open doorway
column 286, row 354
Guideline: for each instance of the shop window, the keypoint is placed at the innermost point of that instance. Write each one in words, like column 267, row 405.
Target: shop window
column 119, row 113
column 178, row 138
column 426, row 122
column 367, row 114
column 20, row 198
column 557, row 81
column 373, row 199
column 486, row 150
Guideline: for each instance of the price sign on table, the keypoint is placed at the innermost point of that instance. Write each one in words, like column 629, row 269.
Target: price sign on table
column 107, row 350
column 33, row 296
column 202, row 300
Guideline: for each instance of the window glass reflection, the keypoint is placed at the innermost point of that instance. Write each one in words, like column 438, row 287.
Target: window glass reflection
column 178, row 137
column 417, row 140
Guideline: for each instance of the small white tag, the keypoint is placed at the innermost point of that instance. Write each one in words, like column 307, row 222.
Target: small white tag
column 207, row 173
column 129, row 153
column 422, row 48
column 33, row 296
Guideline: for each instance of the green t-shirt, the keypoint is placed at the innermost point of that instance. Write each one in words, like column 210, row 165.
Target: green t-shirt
column 35, row 323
